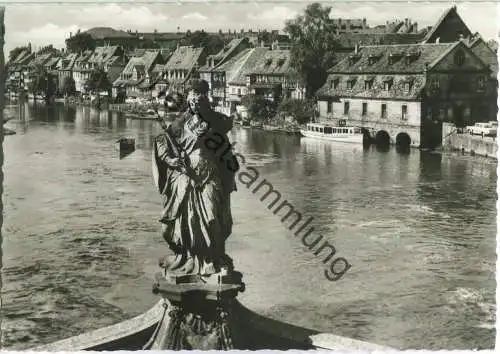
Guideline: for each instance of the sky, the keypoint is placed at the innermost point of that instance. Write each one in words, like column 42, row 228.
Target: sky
column 43, row 24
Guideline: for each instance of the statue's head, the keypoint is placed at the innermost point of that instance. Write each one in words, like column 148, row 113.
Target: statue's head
column 198, row 96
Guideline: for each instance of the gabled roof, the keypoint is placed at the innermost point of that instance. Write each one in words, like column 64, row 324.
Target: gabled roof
column 276, row 62
column 40, row 59
column 224, row 53
column 52, row 61
column 68, row 61
column 184, row 58
column 452, row 11
column 420, row 56
column 102, row 55
column 146, row 60
column 245, row 64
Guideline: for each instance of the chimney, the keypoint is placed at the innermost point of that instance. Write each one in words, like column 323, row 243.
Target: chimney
column 415, row 27
column 356, row 48
column 364, row 23
column 70, row 34
column 406, row 22
column 437, row 40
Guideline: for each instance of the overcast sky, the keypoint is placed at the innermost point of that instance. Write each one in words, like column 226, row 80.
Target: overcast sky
column 51, row 23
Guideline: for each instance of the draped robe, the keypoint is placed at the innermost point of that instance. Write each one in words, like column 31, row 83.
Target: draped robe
column 196, row 202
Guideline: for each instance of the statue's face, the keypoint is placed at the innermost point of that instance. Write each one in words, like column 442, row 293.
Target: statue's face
column 198, row 101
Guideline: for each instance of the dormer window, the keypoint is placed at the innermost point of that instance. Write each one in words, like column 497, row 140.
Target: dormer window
column 407, row 87
column 281, row 62
column 387, row 83
column 350, row 83
column 368, row 84
column 268, row 62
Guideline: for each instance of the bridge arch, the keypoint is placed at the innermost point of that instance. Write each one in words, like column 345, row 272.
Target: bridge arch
column 403, row 140
column 382, row 138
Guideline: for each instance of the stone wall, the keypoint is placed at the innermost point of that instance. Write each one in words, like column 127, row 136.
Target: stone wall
column 467, row 143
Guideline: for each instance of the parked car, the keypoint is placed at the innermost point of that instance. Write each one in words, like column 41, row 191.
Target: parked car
column 483, row 129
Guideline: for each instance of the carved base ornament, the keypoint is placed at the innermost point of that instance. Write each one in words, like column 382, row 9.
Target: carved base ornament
column 197, row 312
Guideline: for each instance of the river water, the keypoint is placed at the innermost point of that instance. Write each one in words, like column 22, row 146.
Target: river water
column 81, row 237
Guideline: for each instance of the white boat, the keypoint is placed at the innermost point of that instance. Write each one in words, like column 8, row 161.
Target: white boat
column 333, row 133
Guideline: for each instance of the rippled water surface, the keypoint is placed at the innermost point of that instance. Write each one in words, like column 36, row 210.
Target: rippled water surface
column 81, row 239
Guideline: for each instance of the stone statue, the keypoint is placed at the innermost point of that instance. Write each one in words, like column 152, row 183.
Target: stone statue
column 195, row 184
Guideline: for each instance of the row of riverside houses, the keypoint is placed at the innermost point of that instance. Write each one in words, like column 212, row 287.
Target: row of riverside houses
column 392, row 74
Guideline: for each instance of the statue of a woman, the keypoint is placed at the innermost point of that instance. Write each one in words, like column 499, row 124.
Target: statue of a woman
column 195, row 187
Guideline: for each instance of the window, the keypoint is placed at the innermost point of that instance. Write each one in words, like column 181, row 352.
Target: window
column 387, row 85
column 480, row 83
column 364, row 109
column 329, row 105
column 368, row 84
column 383, row 113
column 459, row 58
column 239, row 92
column 350, row 84
column 335, row 83
column 435, row 83
column 346, row 107
column 407, row 87
column 328, row 130
column 404, row 112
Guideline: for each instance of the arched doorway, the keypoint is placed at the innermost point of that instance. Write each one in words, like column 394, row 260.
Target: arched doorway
column 403, row 141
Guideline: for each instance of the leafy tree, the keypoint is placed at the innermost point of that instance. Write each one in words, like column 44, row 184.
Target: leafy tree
column 48, row 49
column 212, row 43
column 80, row 42
column 313, row 45
column 259, row 108
column 98, row 81
column 43, row 83
column 68, row 87
column 301, row 110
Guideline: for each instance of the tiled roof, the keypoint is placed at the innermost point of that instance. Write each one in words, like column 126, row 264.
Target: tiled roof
column 102, row 55
column 184, row 58
column 224, row 53
column 349, row 40
column 146, row 60
column 484, row 52
column 376, row 91
column 40, row 59
column 273, row 62
column 245, row 64
column 68, row 61
column 52, row 61
column 419, row 56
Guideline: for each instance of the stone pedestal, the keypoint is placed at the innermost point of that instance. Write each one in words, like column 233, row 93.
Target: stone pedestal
column 198, row 311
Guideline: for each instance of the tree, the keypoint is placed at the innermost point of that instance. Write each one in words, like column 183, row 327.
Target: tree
column 80, row 42
column 259, row 108
column 68, row 87
column 302, row 111
column 48, row 49
column 98, row 81
column 43, row 83
column 212, row 43
column 313, row 45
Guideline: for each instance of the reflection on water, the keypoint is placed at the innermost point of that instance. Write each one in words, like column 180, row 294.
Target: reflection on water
column 82, row 237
